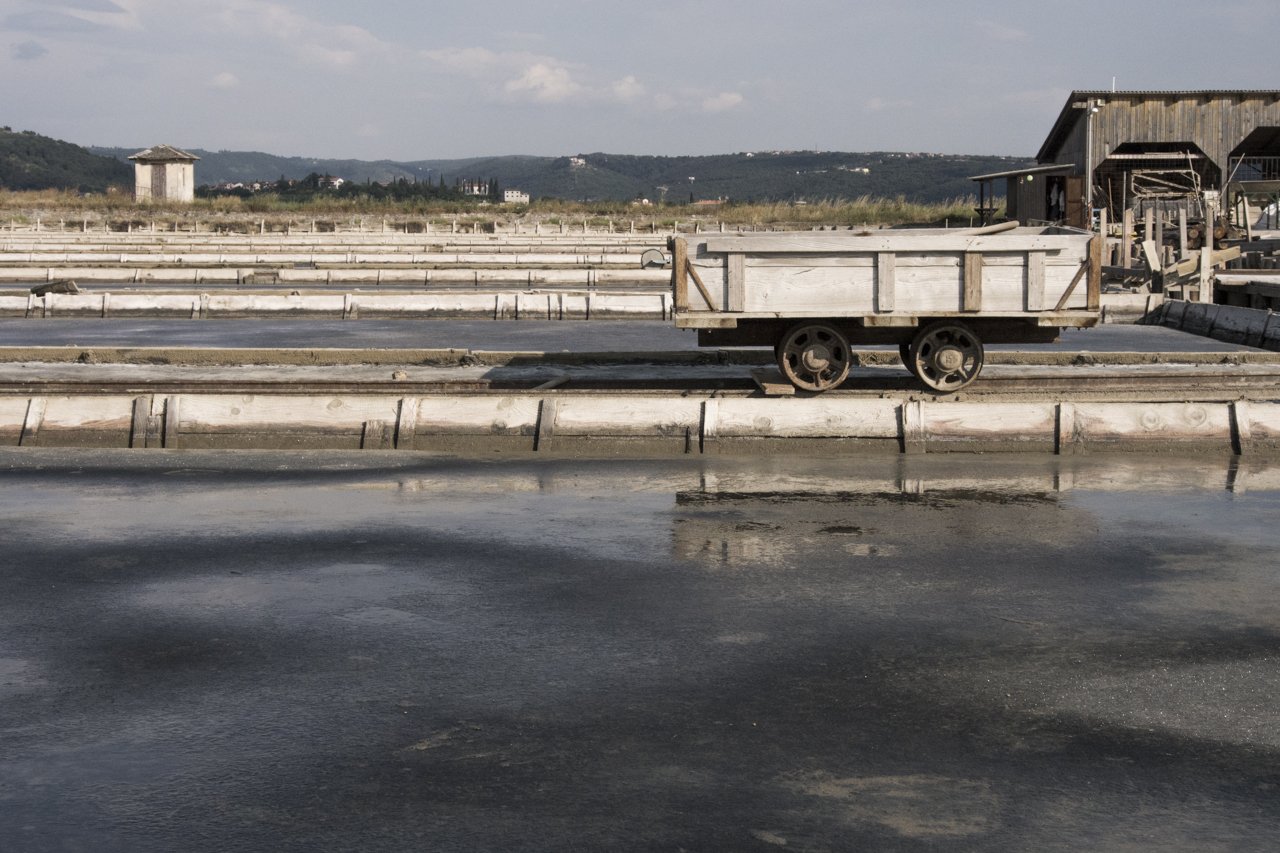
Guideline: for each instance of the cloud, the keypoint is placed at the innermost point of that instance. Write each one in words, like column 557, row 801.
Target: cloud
column 1001, row 32
column 225, row 80
column 49, row 22
column 337, row 46
column 84, row 5
column 544, row 84
column 626, row 89
column 368, row 131
column 720, row 103
column 27, row 50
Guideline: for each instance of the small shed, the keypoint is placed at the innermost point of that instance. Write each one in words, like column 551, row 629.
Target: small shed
column 164, row 172
column 1034, row 196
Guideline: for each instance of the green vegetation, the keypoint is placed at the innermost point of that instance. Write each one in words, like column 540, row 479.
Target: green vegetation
column 29, row 161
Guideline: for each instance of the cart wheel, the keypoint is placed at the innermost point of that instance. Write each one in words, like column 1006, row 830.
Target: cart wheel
column 814, row 356
column 946, row 356
column 904, row 353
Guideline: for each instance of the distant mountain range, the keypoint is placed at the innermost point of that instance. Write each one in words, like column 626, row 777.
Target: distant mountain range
column 31, row 161
column 758, row 176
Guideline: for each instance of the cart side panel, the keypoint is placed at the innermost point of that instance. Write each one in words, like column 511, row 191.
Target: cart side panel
column 839, row 284
column 1004, row 281
column 711, row 269
column 1059, row 269
column 929, row 282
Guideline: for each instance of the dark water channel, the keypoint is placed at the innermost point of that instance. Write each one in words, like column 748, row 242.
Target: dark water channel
column 243, row 652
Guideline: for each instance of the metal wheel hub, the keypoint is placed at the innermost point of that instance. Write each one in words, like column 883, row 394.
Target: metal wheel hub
column 816, row 358
column 946, row 356
column 949, row 359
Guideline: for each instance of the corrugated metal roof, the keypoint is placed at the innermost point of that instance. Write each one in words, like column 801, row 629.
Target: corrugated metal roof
column 163, row 153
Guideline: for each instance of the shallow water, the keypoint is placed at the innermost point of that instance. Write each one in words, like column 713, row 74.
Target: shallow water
column 234, row 651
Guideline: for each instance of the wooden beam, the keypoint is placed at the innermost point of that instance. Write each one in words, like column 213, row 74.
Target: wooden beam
column 138, row 430
column 546, row 424
column 31, row 424
column 1035, row 281
column 853, row 242
column 679, row 275
column 172, row 422
column 1126, row 239
column 736, row 272
column 972, row 281
column 1206, row 272
column 1093, row 300
column 1084, row 267
column 886, row 281
column 697, row 279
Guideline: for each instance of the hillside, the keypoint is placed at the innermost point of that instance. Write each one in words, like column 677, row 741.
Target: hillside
column 761, row 176
column 29, row 161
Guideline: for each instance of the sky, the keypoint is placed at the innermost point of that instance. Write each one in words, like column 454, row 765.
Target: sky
column 405, row 80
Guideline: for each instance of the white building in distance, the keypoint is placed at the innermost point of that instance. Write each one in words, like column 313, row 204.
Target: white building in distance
column 514, row 197
column 164, row 172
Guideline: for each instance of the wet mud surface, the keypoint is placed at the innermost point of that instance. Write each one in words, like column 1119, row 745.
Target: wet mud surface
column 238, row 652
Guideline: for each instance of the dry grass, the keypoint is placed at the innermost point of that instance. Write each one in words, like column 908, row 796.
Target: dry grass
column 57, row 204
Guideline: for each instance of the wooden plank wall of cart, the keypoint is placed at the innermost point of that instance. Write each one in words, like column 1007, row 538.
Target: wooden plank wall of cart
column 922, row 276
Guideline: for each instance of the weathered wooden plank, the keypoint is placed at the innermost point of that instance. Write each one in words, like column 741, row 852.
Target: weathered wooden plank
column 627, row 416
column 959, row 423
column 107, row 413
column 546, row 424
column 1242, row 435
column 911, row 427
column 1093, row 295
column 1262, row 420
column 217, row 413
column 679, row 274
column 938, row 240
column 808, row 418
column 1137, row 422
column 886, row 275
column 1035, row 281
column 407, row 423
column 710, row 427
column 972, row 282
column 477, row 416
column 172, row 422
column 1206, row 274
column 138, row 427
column 1065, row 435
column 32, row 422
column 736, row 298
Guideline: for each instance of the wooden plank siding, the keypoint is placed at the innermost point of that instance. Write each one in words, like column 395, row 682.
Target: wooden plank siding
column 1216, row 122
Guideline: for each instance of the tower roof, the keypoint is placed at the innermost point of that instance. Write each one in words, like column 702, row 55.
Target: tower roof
column 163, row 154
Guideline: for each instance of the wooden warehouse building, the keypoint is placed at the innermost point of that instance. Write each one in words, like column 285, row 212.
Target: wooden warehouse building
column 1119, row 150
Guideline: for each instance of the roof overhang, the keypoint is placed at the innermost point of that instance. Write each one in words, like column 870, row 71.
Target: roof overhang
column 1018, row 173
column 163, row 154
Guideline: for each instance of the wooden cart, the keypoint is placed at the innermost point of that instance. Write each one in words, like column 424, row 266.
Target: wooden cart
column 939, row 294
